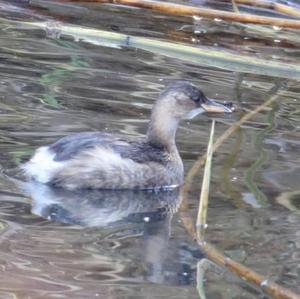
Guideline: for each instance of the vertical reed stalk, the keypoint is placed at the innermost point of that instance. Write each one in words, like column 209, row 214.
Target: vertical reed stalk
column 204, row 195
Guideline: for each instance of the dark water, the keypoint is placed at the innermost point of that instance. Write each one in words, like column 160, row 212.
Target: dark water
column 132, row 244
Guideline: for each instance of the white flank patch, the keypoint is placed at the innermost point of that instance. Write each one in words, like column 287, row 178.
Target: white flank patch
column 42, row 166
column 83, row 170
column 103, row 159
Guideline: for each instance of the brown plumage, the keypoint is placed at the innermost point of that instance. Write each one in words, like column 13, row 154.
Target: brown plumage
column 104, row 161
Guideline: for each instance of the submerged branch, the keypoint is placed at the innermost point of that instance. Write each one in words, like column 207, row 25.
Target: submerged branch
column 185, row 10
column 245, row 273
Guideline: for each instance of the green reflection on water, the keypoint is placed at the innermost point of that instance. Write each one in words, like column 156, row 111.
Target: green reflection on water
column 58, row 75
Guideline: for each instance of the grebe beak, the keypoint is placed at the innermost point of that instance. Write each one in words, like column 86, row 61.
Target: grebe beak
column 216, row 107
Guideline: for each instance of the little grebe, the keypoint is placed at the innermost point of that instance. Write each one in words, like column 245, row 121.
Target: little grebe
column 104, row 161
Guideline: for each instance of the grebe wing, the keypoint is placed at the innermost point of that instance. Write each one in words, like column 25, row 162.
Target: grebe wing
column 70, row 146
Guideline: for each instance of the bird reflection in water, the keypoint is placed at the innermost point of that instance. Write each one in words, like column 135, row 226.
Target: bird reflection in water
column 150, row 212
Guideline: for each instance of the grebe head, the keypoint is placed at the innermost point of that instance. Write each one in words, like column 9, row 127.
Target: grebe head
column 180, row 100
column 185, row 101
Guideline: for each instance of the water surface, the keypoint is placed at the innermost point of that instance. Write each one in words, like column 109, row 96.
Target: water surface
column 132, row 244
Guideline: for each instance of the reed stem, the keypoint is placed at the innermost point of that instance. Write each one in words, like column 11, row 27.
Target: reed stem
column 204, row 195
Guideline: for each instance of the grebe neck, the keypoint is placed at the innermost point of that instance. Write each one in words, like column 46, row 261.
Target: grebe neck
column 162, row 129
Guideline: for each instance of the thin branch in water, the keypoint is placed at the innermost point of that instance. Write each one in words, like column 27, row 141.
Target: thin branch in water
column 245, row 273
column 186, row 10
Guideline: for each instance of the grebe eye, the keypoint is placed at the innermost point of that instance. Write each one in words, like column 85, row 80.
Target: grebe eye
column 196, row 98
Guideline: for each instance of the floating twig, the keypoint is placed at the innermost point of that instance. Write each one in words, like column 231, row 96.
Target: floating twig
column 185, row 10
